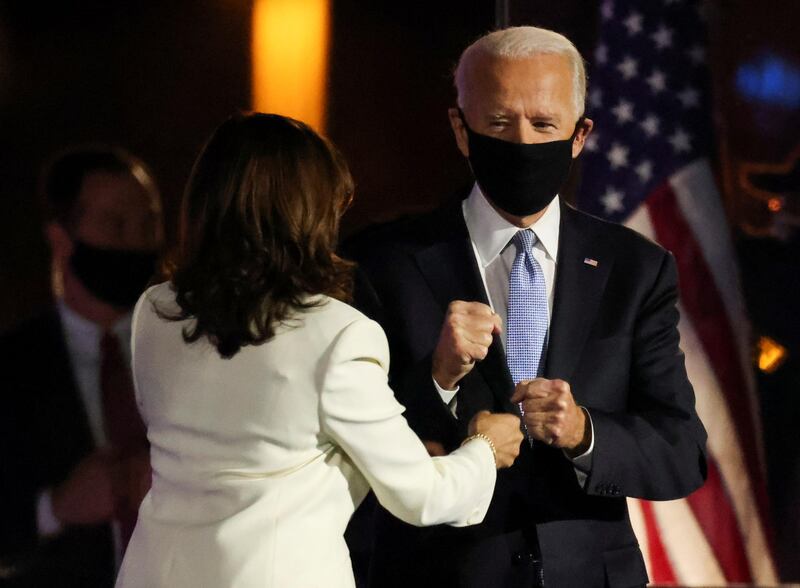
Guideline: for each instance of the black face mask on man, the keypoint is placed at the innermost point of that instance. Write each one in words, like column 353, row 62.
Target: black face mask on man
column 521, row 179
column 115, row 276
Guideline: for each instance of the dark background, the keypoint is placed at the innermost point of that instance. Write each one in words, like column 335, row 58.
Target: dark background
column 158, row 76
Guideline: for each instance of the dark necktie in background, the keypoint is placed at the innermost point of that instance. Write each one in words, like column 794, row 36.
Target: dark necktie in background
column 124, row 429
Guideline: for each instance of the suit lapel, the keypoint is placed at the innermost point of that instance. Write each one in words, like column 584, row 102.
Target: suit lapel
column 57, row 427
column 450, row 268
column 71, row 412
column 581, row 274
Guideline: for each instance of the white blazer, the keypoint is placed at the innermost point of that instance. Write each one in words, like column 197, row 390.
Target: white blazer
column 260, row 460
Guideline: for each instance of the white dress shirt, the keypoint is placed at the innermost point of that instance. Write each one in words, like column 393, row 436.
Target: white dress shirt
column 491, row 236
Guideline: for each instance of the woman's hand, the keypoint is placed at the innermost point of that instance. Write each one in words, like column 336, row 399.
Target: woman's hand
column 503, row 430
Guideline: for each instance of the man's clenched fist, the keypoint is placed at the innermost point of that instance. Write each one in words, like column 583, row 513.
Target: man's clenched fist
column 465, row 338
column 552, row 416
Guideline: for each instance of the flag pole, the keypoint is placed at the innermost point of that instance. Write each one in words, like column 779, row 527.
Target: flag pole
column 501, row 19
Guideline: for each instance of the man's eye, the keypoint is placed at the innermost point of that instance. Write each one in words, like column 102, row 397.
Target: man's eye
column 498, row 124
column 542, row 125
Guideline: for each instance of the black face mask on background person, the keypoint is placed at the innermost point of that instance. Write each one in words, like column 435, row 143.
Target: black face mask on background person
column 519, row 178
column 115, row 276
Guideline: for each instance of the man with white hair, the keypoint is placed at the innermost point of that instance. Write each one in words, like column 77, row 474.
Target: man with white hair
column 513, row 300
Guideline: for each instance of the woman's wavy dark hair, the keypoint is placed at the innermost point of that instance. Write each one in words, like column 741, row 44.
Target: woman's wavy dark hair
column 259, row 228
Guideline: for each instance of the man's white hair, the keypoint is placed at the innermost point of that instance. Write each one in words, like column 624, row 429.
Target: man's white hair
column 521, row 42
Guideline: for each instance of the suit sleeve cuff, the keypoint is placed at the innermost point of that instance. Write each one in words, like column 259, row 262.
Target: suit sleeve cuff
column 583, row 462
column 447, row 396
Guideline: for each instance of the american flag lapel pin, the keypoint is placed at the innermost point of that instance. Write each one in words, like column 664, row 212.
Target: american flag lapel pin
column 590, row 261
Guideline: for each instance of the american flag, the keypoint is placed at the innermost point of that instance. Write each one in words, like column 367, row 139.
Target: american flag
column 646, row 165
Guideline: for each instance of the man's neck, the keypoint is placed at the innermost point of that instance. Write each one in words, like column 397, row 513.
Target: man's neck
column 523, row 222
column 81, row 301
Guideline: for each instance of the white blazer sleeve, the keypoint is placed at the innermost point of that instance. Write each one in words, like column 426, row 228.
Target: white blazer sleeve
column 360, row 414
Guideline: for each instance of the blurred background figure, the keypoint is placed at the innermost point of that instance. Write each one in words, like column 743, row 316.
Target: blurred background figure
column 74, row 453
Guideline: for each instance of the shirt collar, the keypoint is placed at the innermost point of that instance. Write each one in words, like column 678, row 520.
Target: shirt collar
column 79, row 327
column 491, row 232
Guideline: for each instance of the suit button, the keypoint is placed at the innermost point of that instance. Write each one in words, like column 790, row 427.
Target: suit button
column 521, row 558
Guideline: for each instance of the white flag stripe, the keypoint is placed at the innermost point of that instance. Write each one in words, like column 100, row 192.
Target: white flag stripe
column 640, row 222
column 723, row 443
column 692, row 559
column 696, row 193
column 701, row 206
column 640, row 530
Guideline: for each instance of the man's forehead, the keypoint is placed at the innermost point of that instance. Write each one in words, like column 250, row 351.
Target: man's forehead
column 103, row 189
column 484, row 72
column 519, row 94
column 480, row 62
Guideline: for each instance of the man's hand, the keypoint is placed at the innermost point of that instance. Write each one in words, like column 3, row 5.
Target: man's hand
column 465, row 338
column 552, row 416
column 136, row 477
column 87, row 496
column 435, row 449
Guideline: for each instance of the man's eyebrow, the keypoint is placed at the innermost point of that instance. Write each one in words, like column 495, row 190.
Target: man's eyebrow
column 552, row 116
column 541, row 115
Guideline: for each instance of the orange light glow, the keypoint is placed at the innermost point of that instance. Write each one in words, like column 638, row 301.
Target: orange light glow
column 290, row 58
column 775, row 204
column 771, row 354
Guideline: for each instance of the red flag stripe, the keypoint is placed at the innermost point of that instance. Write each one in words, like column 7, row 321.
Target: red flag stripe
column 738, row 516
column 703, row 304
column 660, row 566
column 712, row 508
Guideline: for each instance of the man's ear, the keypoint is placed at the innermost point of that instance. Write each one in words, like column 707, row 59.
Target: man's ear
column 580, row 137
column 459, row 131
column 59, row 239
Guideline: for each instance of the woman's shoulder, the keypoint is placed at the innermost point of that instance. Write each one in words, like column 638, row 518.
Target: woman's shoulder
column 160, row 292
column 336, row 316
column 339, row 308
column 156, row 300
column 161, row 295
column 350, row 333
column 335, row 313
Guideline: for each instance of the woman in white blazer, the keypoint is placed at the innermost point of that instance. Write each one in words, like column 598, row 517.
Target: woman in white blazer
column 265, row 395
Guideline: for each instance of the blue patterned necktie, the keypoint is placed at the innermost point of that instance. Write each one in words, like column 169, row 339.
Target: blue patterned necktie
column 528, row 320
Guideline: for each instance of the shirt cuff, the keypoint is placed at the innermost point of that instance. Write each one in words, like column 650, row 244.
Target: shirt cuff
column 46, row 522
column 447, row 396
column 583, row 462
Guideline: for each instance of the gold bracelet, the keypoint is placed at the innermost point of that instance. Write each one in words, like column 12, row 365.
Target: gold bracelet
column 485, row 438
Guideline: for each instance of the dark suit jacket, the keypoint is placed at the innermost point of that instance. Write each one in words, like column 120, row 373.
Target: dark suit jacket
column 613, row 337
column 44, row 434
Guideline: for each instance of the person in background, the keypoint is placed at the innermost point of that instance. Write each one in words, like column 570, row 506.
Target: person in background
column 265, row 394
column 511, row 300
column 74, row 453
